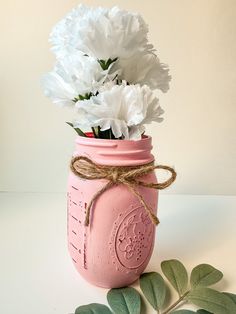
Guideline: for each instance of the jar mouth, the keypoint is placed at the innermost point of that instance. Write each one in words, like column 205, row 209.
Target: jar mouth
column 91, row 137
column 116, row 152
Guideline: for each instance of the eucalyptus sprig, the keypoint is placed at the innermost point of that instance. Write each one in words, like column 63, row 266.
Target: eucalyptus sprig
column 195, row 291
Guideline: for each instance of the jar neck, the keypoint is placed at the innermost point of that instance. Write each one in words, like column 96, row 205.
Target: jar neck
column 116, row 152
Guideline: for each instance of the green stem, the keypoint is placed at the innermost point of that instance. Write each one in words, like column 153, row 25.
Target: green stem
column 94, row 132
column 176, row 303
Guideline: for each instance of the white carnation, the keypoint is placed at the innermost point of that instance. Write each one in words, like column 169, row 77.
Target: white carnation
column 108, row 85
column 101, row 33
column 73, row 76
column 62, row 35
column 123, row 108
column 144, row 68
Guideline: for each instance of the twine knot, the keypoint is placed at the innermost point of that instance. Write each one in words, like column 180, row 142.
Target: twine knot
column 85, row 168
column 114, row 176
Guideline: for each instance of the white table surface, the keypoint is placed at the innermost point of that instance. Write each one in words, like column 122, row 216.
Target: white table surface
column 38, row 277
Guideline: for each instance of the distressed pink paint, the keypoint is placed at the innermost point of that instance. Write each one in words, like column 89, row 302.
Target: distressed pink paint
column 117, row 245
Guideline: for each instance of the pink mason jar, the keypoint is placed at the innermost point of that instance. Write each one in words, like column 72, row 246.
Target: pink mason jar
column 117, row 245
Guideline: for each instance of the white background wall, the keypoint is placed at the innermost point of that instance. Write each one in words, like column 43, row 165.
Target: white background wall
column 195, row 37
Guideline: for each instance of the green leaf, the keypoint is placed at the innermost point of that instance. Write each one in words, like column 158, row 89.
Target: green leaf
column 78, row 131
column 102, row 64
column 107, row 134
column 177, row 275
column 231, row 296
column 106, row 63
column 201, row 311
column 212, row 301
column 93, row 308
column 154, row 289
column 83, row 97
column 124, row 301
column 183, row 312
column 205, row 275
column 95, row 132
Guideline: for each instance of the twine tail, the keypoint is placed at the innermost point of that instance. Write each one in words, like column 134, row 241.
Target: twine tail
column 96, row 195
column 152, row 216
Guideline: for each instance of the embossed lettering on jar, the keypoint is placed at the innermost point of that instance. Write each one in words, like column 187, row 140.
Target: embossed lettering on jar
column 117, row 245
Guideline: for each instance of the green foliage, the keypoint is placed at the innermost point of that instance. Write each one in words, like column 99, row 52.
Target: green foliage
column 205, row 275
column 106, row 63
column 93, row 308
column 212, row 301
column 83, row 97
column 124, row 301
column 128, row 300
column 177, row 275
column 231, row 296
column 154, row 289
column 107, row 134
column 78, row 131
column 201, row 311
column 183, row 312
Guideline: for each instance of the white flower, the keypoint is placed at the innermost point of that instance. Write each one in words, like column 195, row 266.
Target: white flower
column 108, row 85
column 123, row 108
column 62, row 34
column 144, row 68
column 101, row 33
column 72, row 76
column 106, row 69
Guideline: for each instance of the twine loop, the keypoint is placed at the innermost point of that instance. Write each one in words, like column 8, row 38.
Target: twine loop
column 85, row 168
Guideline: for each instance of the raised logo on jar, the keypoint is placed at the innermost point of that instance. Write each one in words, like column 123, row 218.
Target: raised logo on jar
column 133, row 239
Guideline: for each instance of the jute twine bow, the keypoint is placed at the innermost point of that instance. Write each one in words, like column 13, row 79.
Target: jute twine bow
column 85, row 168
